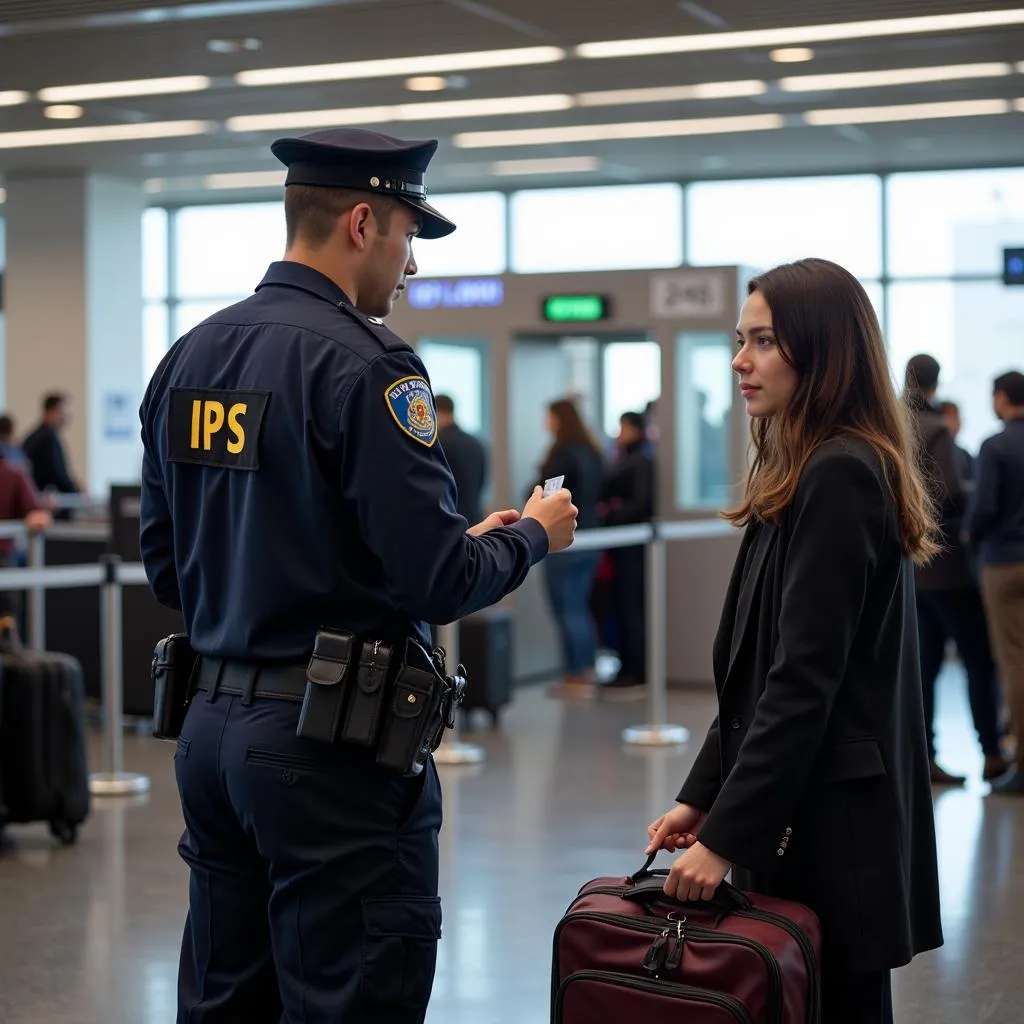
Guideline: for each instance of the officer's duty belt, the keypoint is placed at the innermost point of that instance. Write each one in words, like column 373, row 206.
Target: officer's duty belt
column 248, row 680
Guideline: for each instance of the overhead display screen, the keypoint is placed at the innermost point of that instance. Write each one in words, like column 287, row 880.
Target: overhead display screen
column 576, row 309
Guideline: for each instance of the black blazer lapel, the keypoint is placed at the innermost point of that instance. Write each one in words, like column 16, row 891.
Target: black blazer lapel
column 750, row 591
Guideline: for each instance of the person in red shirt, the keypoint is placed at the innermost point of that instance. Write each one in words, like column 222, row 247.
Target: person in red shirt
column 18, row 500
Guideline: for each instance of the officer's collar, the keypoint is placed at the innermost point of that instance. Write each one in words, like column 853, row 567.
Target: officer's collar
column 300, row 275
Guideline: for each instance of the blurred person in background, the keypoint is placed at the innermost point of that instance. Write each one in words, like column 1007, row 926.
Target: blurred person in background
column 964, row 459
column 10, row 450
column 628, row 497
column 467, row 459
column 996, row 526
column 576, row 455
column 19, row 500
column 949, row 605
column 45, row 450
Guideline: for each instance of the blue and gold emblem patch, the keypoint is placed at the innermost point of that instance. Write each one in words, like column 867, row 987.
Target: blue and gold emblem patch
column 412, row 405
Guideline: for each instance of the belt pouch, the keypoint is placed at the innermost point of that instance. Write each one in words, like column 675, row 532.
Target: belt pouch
column 173, row 673
column 366, row 705
column 411, row 719
column 324, row 700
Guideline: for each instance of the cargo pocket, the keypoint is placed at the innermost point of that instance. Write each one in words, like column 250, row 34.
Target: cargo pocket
column 400, row 936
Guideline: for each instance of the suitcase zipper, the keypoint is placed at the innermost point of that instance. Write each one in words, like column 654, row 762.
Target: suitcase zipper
column 733, row 1006
column 697, row 934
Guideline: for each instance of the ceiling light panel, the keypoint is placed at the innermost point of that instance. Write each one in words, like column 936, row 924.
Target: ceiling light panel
column 712, row 41
column 547, row 165
column 245, row 179
column 101, row 133
column 610, row 132
column 896, row 76
column 402, row 112
column 432, row 64
column 117, row 90
column 13, row 97
column 907, row 112
column 672, row 93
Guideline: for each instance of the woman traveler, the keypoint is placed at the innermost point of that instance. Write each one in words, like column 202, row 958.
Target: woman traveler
column 813, row 782
column 575, row 455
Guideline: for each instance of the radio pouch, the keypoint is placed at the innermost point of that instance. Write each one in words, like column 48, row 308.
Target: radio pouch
column 173, row 672
column 324, row 700
column 369, row 695
column 411, row 722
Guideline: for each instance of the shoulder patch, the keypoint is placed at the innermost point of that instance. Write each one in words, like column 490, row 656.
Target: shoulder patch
column 411, row 403
column 210, row 427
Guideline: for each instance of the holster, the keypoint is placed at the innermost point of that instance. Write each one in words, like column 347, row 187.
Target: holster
column 423, row 703
column 324, row 700
column 369, row 695
column 173, row 672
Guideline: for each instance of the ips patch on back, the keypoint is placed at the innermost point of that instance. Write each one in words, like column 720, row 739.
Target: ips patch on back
column 216, row 427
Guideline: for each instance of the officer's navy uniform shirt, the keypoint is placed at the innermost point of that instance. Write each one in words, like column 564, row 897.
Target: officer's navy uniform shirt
column 292, row 480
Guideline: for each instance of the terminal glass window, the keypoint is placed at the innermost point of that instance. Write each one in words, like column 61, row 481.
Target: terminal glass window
column 631, row 377
column 579, row 228
column 974, row 330
column 458, row 368
column 154, row 253
column 155, row 339
column 763, row 223
column 705, row 389
column 953, row 222
column 478, row 244
column 224, row 251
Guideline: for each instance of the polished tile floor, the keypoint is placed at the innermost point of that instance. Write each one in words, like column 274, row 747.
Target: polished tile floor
column 90, row 934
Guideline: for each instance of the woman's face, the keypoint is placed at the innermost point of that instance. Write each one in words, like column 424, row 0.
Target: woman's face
column 767, row 382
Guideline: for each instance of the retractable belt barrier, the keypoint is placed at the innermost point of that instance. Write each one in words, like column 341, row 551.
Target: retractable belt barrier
column 110, row 574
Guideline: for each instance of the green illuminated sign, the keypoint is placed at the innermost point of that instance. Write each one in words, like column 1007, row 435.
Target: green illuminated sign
column 576, row 308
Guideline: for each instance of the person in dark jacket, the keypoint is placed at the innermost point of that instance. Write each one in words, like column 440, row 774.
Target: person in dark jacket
column 45, row 450
column 996, row 526
column 467, row 459
column 949, row 605
column 575, row 455
column 964, row 459
column 812, row 784
column 629, row 498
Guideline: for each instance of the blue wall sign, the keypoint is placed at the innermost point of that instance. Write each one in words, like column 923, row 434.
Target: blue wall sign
column 456, row 293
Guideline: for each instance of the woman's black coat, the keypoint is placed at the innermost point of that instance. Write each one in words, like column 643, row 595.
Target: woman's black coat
column 815, row 771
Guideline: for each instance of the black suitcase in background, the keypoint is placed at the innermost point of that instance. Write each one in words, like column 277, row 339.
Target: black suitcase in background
column 485, row 648
column 43, row 771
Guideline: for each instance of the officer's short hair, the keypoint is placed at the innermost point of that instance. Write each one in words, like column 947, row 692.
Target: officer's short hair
column 445, row 404
column 311, row 211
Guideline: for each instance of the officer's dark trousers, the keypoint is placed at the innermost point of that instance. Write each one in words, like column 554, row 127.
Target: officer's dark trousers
column 313, row 887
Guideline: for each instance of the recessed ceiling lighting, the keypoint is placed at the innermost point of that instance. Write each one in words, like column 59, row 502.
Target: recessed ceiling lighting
column 245, row 179
column 12, row 97
column 3, row 195
column 247, row 45
column 63, row 112
column 119, row 90
column 792, row 55
column 548, row 165
column 426, row 83
column 102, row 133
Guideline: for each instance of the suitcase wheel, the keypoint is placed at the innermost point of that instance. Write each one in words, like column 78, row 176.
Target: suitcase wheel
column 66, row 833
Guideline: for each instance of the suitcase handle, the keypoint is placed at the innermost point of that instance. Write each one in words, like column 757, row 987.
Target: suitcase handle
column 727, row 897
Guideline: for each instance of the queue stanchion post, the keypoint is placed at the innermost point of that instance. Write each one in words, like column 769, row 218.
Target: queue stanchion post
column 37, row 594
column 452, row 750
column 657, row 733
column 114, row 781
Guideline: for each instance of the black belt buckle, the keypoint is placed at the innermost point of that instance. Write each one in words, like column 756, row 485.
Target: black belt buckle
column 324, row 700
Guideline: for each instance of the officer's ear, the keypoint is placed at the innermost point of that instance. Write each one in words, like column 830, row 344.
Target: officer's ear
column 359, row 220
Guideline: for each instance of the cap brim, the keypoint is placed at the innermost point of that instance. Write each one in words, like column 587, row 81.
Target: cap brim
column 432, row 223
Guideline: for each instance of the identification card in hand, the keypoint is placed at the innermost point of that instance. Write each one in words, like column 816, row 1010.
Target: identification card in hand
column 552, row 484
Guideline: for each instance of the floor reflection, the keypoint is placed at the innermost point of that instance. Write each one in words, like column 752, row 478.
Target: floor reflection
column 91, row 933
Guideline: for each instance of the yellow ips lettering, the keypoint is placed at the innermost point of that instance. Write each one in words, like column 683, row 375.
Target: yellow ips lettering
column 208, row 419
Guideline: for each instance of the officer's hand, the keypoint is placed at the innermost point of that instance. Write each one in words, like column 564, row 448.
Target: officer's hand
column 556, row 513
column 506, row 517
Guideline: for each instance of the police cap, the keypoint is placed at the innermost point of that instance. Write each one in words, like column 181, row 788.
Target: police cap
column 365, row 160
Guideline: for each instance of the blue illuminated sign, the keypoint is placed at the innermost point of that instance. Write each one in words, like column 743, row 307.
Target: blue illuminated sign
column 459, row 293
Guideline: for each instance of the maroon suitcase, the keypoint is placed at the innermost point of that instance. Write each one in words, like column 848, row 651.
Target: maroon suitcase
column 624, row 951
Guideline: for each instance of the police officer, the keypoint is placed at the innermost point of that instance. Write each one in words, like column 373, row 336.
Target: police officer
column 292, row 479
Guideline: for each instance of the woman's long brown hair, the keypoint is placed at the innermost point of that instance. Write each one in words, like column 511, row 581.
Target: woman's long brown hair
column 570, row 426
column 828, row 332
